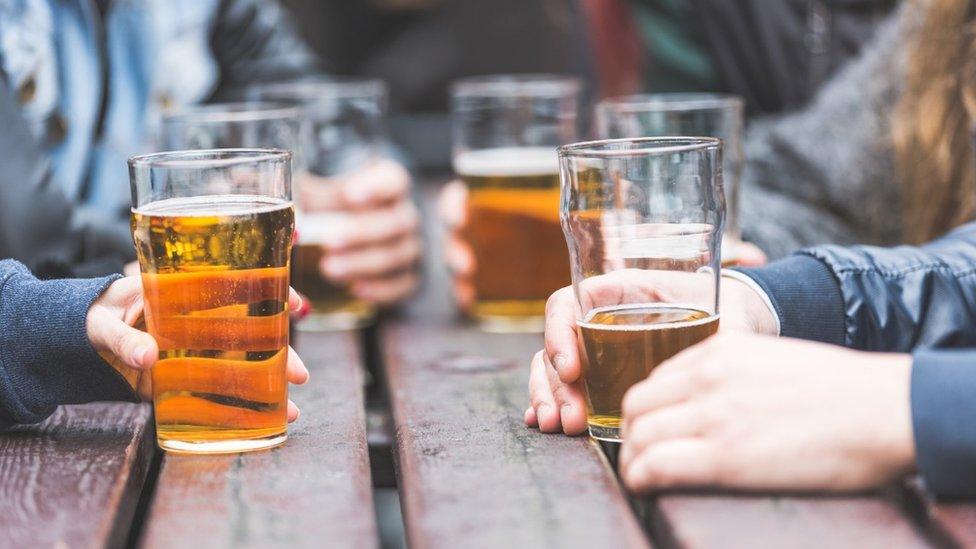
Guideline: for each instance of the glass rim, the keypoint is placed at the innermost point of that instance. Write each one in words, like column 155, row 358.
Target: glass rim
column 681, row 101
column 311, row 89
column 513, row 85
column 207, row 158
column 238, row 111
column 645, row 146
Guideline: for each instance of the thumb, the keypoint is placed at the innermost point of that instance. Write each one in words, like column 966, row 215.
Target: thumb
column 135, row 348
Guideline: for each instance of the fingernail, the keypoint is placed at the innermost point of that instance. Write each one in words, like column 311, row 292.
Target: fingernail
column 139, row 356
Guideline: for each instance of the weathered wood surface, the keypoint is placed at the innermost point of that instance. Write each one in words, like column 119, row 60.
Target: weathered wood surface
column 711, row 520
column 470, row 473
column 74, row 480
column 312, row 492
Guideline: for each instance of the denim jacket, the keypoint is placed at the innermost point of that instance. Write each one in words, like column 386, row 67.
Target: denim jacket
column 85, row 89
column 919, row 300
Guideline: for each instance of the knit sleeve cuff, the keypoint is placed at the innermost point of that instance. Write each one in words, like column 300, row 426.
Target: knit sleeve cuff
column 806, row 297
column 943, row 385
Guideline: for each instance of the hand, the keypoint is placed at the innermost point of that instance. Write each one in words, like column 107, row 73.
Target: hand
column 752, row 412
column 374, row 247
column 745, row 254
column 555, row 387
column 452, row 205
column 132, row 352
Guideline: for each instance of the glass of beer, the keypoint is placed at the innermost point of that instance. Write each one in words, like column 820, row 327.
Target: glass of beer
column 506, row 130
column 698, row 114
column 213, row 232
column 346, row 121
column 643, row 219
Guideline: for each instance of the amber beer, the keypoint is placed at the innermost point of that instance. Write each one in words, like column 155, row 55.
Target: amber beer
column 215, row 277
column 513, row 227
column 623, row 344
column 334, row 307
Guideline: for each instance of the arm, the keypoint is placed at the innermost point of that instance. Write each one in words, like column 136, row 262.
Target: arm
column 878, row 299
column 45, row 355
column 255, row 41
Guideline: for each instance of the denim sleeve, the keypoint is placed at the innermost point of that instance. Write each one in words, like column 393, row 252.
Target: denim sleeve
column 944, row 420
column 45, row 357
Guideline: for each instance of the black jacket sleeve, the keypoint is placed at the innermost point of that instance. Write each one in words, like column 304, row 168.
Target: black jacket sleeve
column 905, row 299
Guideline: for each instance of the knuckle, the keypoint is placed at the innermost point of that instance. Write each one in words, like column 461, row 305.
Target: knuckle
column 711, row 373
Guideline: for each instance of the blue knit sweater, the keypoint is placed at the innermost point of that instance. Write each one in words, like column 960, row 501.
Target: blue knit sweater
column 45, row 356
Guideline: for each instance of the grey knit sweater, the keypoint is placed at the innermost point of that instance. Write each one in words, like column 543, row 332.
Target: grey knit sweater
column 826, row 174
column 45, row 356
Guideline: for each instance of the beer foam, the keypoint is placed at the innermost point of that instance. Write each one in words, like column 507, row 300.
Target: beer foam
column 213, row 205
column 644, row 327
column 507, row 161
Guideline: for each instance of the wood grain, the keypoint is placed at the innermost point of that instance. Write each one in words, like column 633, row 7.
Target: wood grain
column 470, row 473
column 74, row 480
column 312, row 492
column 714, row 520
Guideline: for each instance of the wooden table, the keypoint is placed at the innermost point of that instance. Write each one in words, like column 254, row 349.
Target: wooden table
column 469, row 474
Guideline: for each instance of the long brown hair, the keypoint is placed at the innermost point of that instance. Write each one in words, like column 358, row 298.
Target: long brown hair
column 934, row 120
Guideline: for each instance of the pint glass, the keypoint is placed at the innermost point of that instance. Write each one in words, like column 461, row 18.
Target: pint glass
column 346, row 123
column 213, row 231
column 696, row 114
column 506, row 130
column 643, row 219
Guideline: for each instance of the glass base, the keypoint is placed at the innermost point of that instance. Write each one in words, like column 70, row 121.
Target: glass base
column 335, row 321
column 607, row 430
column 511, row 324
column 231, row 446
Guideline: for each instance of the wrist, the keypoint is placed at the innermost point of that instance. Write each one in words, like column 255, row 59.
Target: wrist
column 894, row 441
column 744, row 297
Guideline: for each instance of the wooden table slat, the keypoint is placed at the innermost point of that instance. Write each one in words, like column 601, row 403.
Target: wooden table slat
column 313, row 491
column 713, row 520
column 470, row 473
column 74, row 480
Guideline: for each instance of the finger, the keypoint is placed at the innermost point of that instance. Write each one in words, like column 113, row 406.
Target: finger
column 293, row 411
column 135, row 348
column 749, row 255
column 371, row 227
column 388, row 290
column 294, row 300
column 131, row 269
column 569, row 398
column 673, row 422
column 452, row 204
column 295, row 371
column 459, row 256
column 561, row 335
column 530, row 419
column 655, row 393
column 540, row 396
column 464, row 294
column 380, row 181
column 677, row 463
column 372, row 262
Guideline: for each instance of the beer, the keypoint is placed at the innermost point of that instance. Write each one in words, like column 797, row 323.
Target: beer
column 513, row 228
column 333, row 305
column 215, row 279
column 623, row 344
